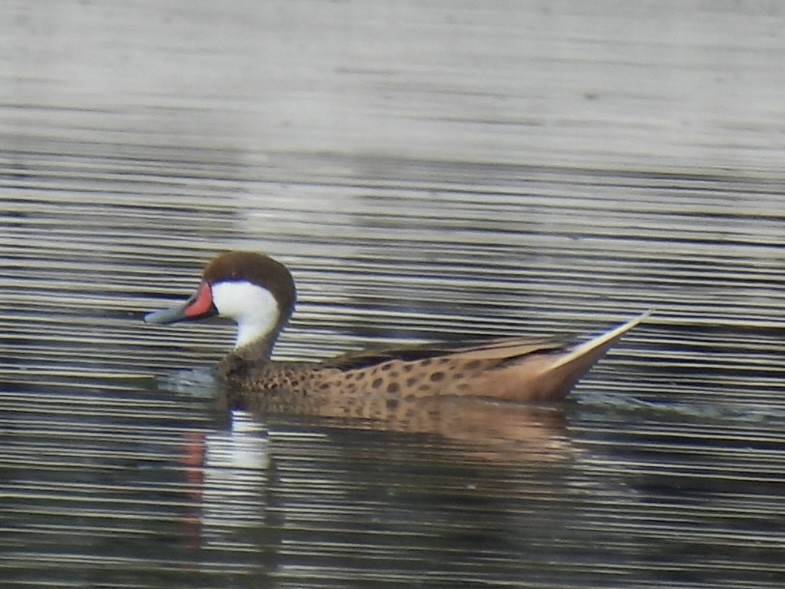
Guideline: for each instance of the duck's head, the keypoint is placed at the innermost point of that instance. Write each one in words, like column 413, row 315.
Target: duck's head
column 252, row 289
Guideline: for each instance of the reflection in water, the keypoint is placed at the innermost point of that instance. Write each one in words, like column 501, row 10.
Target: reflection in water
column 385, row 518
column 233, row 475
column 516, row 432
column 228, row 471
column 315, row 501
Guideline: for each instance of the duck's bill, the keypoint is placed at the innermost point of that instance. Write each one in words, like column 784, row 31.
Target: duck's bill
column 199, row 306
column 164, row 316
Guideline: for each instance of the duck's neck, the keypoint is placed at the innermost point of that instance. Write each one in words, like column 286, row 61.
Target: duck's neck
column 257, row 349
column 257, row 335
column 237, row 364
column 255, row 341
column 252, row 334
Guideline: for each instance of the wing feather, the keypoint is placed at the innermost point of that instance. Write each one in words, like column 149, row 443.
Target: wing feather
column 496, row 349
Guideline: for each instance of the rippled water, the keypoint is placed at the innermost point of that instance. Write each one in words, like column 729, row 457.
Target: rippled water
column 428, row 172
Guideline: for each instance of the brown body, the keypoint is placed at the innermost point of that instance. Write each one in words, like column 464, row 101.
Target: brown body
column 259, row 294
column 385, row 384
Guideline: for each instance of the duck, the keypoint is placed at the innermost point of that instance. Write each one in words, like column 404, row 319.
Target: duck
column 258, row 293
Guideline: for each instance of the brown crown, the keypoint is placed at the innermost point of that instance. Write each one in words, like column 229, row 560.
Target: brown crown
column 257, row 269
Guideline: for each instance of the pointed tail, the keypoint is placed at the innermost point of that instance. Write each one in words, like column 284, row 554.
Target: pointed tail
column 568, row 369
column 589, row 352
column 549, row 377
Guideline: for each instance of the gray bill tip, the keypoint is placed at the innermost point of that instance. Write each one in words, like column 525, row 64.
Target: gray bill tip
column 164, row 315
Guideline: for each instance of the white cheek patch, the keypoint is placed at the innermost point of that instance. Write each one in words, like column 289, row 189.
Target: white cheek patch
column 253, row 308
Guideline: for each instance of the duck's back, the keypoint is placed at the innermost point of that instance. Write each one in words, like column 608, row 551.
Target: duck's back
column 373, row 385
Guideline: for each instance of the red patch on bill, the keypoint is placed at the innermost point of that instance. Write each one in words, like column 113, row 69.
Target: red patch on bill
column 202, row 302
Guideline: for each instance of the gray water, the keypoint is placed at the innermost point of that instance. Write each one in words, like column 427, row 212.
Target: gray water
column 429, row 171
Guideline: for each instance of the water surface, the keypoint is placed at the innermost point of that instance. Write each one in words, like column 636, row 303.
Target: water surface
column 428, row 172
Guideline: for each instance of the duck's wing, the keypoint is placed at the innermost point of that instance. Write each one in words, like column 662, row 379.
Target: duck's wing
column 501, row 349
column 517, row 368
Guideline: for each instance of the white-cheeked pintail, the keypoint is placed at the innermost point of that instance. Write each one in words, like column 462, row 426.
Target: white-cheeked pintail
column 259, row 294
